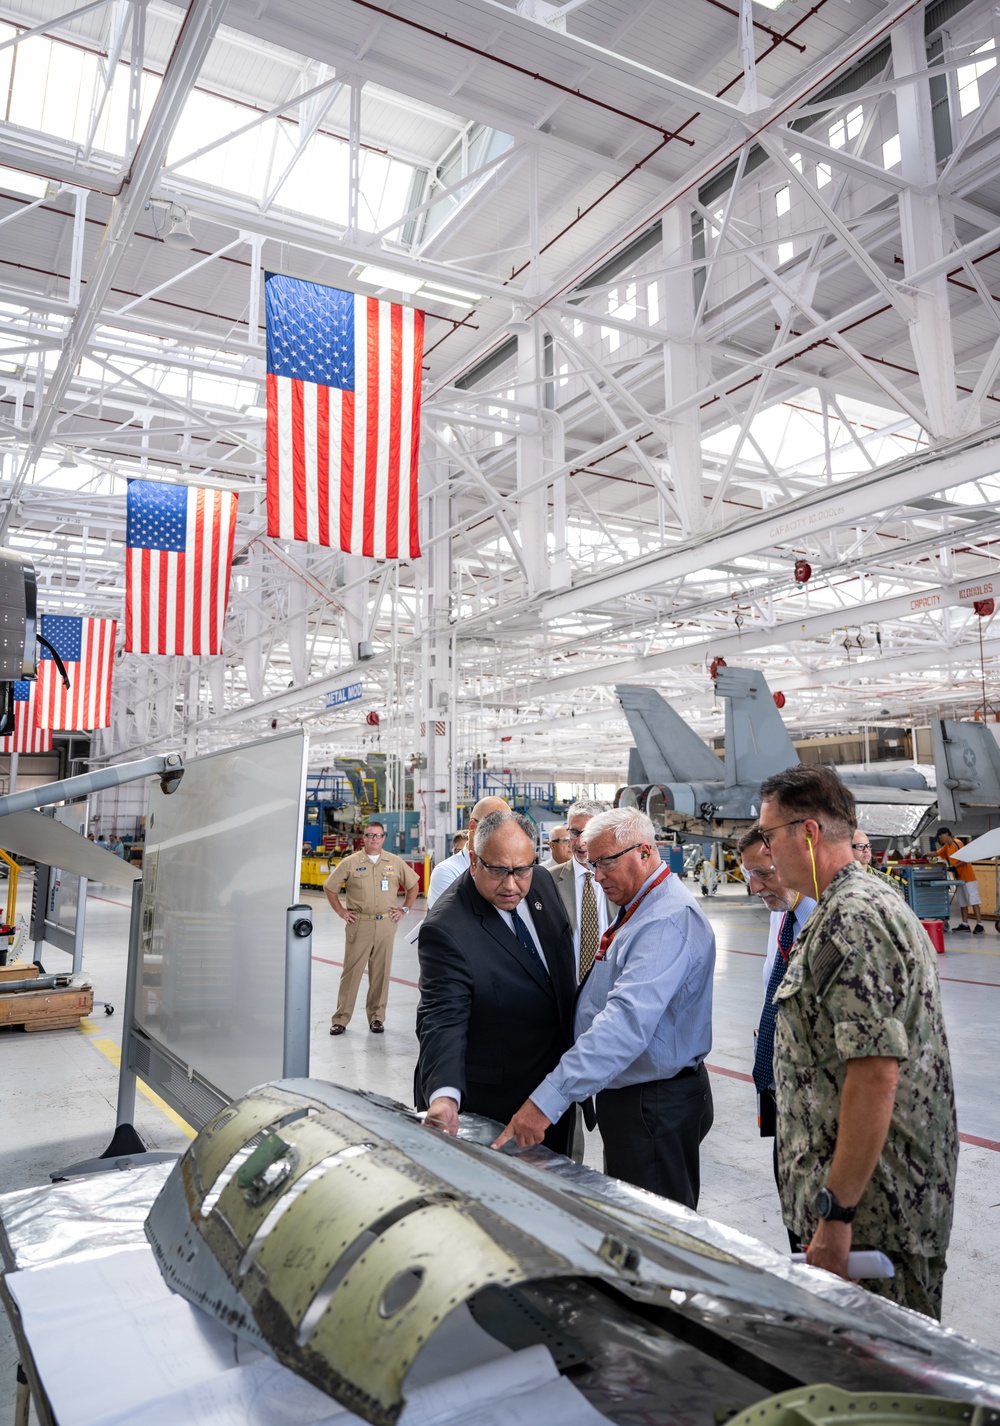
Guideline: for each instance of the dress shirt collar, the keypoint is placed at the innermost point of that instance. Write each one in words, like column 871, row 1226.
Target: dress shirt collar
column 657, row 868
column 525, row 915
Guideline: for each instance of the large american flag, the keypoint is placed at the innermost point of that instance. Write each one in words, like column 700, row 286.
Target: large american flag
column 177, row 565
column 87, row 648
column 26, row 738
column 343, row 419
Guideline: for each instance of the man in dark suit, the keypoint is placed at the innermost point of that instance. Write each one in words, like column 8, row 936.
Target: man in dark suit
column 497, row 984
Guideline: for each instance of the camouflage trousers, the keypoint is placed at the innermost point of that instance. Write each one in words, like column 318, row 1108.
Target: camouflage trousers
column 918, row 1283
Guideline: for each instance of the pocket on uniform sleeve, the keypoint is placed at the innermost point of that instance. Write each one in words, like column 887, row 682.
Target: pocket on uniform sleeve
column 861, row 1039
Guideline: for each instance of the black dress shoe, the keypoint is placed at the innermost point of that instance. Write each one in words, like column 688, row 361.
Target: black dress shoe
column 376, row 1027
column 337, row 1029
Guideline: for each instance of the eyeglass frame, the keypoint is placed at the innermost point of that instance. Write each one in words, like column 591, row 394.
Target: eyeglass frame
column 765, row 837
column 366, row 833
column 501, row 873
column 861, row 846
column 604, row 863
column 749, row 873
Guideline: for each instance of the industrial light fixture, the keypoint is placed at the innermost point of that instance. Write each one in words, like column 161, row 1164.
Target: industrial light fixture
column 385, row 277
column 179, row 234
column 67, row 462
column 519, row 322
column 455, row 296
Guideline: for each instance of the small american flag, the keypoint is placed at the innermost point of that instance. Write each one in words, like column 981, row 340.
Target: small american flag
column 87, row 648
column 26, row 738
column 343, row 419
column 178, row 560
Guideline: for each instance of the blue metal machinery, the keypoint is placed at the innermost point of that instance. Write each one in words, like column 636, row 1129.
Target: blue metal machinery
column 926, row 890
column 324, row 791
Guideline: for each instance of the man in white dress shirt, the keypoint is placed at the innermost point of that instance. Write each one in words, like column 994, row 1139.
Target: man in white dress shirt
column 789, row 913
column 452, row 867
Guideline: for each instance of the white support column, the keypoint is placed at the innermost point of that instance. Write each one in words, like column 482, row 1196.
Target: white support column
column 532, row 507
column 434, row 783
column 922, row 233
column 680, row 371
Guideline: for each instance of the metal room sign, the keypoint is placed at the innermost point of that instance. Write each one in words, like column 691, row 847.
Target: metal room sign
column 350, row 693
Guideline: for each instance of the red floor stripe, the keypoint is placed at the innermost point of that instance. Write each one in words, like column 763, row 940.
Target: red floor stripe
column 396, row 980
column 730, row 1074
column 957, row 980
column 980, row 1143
column 729, row 951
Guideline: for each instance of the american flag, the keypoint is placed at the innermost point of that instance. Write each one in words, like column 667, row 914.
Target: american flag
column 343, row 419
column 26, row 738
column 178, row 560
column 87, row 648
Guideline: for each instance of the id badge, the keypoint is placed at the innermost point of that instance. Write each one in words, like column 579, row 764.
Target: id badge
column 385, row 883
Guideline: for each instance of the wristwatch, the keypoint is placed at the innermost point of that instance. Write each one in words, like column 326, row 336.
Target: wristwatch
column 830, row 1210
column 405, row 910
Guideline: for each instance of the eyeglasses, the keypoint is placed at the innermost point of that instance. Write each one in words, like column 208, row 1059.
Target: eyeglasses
column 501, row 873
column 861, row 846
column 375, row 836
column 749, row 873
column 558, row 841
column 575, row 832
column 605, row 863
column 765, row 837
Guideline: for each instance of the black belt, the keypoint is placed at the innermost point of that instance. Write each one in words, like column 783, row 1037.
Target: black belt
column 688, row 1070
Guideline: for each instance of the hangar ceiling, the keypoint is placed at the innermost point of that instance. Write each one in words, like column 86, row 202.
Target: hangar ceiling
column 708, row 295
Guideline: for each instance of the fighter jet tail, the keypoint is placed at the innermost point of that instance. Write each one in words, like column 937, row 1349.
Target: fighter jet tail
column 967, row 767
column 757, row 741
column 668, row 749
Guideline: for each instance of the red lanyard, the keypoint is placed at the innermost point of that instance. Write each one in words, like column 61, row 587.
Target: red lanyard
column 611, row 932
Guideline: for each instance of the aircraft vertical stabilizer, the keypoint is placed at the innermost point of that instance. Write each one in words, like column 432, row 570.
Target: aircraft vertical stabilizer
column 967, row 768
column 668, row 749
column 757, row 741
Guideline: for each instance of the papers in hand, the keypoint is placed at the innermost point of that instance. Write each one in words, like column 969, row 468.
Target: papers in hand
column 863, row 1264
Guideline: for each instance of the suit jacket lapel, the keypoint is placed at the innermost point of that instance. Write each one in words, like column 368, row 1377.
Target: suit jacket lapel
column 567, row 891
column 493, row 924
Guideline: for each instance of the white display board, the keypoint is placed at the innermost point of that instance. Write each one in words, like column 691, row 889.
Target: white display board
column 221, row 867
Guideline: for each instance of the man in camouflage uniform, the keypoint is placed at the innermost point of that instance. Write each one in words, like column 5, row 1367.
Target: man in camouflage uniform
column 867, row 1140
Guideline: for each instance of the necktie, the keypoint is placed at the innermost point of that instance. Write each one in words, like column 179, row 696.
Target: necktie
column 524, row 936
column 763, row 1060
column 590, row 930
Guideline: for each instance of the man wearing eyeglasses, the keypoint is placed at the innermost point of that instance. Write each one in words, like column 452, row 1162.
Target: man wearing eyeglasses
column 643, row 1021
column 862, row 849
column 496, row 984
column 371, row 880
column 448, row 871
column 790, row 911
column 866, row 1134
column 585, row 902
column 560, row 848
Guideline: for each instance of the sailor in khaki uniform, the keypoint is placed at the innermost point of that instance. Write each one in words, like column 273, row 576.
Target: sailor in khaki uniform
column 370, row 881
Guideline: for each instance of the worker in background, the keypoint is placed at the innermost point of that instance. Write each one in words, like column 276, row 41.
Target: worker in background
column 585, row 902
column 371, row 881
column 862, row 849
column 496, row 984
column 117, row 846
column 643, row 1021
column 967, row 891
column 459, row 842
column 453, row 867
column 789, row 912
column 867, row 1138
column 560, row 848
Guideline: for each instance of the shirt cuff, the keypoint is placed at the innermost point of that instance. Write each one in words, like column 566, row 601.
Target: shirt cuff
column 861, row 1039
column 548, row 1099
column 446, row 1091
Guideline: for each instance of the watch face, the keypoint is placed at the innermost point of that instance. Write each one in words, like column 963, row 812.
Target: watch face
column 824, row 1202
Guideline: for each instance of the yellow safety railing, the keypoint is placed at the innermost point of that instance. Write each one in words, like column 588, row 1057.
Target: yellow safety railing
column 14, row 872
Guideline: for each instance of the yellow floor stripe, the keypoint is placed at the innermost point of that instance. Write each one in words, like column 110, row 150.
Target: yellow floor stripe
column 112, row 1052
column 88, row 1027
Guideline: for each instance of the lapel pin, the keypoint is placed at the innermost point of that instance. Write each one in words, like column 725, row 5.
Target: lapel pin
column 538, row 906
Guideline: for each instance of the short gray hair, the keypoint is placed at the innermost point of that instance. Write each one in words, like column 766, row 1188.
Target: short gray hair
column 586, row 807
column 493, row 821
column 628, row 824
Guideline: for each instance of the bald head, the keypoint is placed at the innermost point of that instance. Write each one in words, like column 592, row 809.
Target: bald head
column 483, row 808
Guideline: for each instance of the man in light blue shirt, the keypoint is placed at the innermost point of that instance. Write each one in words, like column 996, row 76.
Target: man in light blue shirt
column 643, row 1021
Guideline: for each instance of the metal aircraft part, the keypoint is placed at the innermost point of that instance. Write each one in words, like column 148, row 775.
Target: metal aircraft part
column 967, row 764
column 681, row 784
column 335, row 1232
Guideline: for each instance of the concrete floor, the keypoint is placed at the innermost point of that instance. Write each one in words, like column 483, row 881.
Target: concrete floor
column 59, row 1088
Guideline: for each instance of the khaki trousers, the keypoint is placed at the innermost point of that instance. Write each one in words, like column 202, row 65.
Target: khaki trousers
column 366, row 943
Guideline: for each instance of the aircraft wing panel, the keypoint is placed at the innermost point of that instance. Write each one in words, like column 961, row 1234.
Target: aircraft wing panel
column 757, row 741
column 967, row 767
column 669, row 749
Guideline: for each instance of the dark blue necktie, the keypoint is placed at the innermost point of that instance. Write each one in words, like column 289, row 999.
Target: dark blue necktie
column 524, row 936
column 763, row 1060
